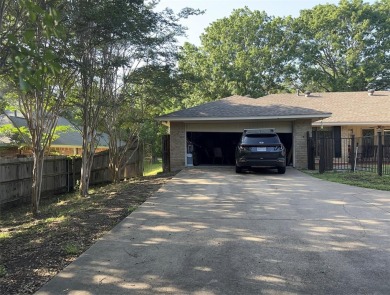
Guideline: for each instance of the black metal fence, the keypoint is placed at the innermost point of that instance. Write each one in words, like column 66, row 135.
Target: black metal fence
column 368, row 153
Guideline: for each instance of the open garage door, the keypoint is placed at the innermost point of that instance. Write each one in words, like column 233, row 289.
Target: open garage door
column 287, row 140
column 213, row 148
column 218, row 148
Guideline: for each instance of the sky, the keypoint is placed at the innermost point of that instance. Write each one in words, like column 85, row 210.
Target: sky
column 217, row 9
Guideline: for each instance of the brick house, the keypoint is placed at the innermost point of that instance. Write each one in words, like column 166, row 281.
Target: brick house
column 196, row 132
column 68, row 143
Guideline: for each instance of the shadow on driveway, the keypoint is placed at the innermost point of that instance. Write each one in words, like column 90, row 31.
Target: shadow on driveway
column 212, row 231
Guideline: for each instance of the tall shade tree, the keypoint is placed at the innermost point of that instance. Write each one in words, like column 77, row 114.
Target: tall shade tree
column 96, row 26
column 146, row 60
column 40, row 79
column 247, row 53
column 381, row 34
column 343, row 47
column 152, row 90
column 118, row 118
column 112, row 39
column 12, row 20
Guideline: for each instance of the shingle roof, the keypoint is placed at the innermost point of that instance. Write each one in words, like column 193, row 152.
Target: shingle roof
column 347, row 108
column 337, row 108
column 242, row 107
column 70, row 138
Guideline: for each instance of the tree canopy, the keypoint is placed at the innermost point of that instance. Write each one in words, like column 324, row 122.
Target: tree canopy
column 79, row 57
column 247, row 53
column 342, row 47
column 115, row 65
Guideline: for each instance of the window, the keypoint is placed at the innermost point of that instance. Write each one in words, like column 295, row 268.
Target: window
column 386, row 140
column 260, row 139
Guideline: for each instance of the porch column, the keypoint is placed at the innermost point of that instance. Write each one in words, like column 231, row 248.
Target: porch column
column 300, row 130
column 177, row 145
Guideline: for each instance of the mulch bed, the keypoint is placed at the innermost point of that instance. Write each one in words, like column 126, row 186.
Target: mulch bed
column 29, row 258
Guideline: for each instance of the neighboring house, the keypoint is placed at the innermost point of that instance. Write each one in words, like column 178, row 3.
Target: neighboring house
column 69, row 142
column 199, row 130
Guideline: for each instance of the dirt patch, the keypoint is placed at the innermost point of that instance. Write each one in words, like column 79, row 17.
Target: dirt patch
column 35, row 250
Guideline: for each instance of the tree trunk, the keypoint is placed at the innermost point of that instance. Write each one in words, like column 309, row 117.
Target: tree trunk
column 86, row 167
column 140, row 165
column 114, row 168
column 116, row 178
column 154, row 159
column 37, row 174
column 2, row 5
column 113, row 154
column 84, row 178
column 117, row 170
column 87, row 160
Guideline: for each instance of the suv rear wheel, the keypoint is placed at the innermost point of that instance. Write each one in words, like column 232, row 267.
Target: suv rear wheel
column 281, row 170
column 238, row 169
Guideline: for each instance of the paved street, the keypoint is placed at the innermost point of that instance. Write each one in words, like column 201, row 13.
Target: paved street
column 211, row 231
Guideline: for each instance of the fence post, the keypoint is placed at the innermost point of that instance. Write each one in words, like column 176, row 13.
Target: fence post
column 67, row 163
column 329, row 153
column 73, row 173
column 352, row 153
column 380, row 153
column 322, row 155
column 310, row 152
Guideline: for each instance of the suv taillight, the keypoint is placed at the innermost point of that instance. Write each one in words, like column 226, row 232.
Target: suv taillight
column 283, row 151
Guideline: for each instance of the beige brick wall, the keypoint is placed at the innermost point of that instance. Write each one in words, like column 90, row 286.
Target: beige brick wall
column 178, row 145
column 300, row 129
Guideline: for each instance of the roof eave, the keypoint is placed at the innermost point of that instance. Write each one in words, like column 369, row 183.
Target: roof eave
column 289, row 117
column 319, row 123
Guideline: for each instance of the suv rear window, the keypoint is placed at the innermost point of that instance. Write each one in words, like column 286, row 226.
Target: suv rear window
column 260, row 139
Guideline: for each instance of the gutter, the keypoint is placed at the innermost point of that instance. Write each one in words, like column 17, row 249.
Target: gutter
column 318, row 124
column 194, row 119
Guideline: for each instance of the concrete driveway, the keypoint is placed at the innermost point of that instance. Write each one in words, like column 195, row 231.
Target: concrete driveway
column 211, row 231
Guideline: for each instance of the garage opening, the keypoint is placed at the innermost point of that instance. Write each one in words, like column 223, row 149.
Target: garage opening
column 218, row 148
column 213, row 148
column 287, row 140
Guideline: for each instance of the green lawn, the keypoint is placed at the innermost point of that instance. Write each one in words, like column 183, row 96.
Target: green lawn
column 361, row 179
column 152, row 169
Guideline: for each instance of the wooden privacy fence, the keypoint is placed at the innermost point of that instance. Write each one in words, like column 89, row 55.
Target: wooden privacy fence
column 60, row 175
